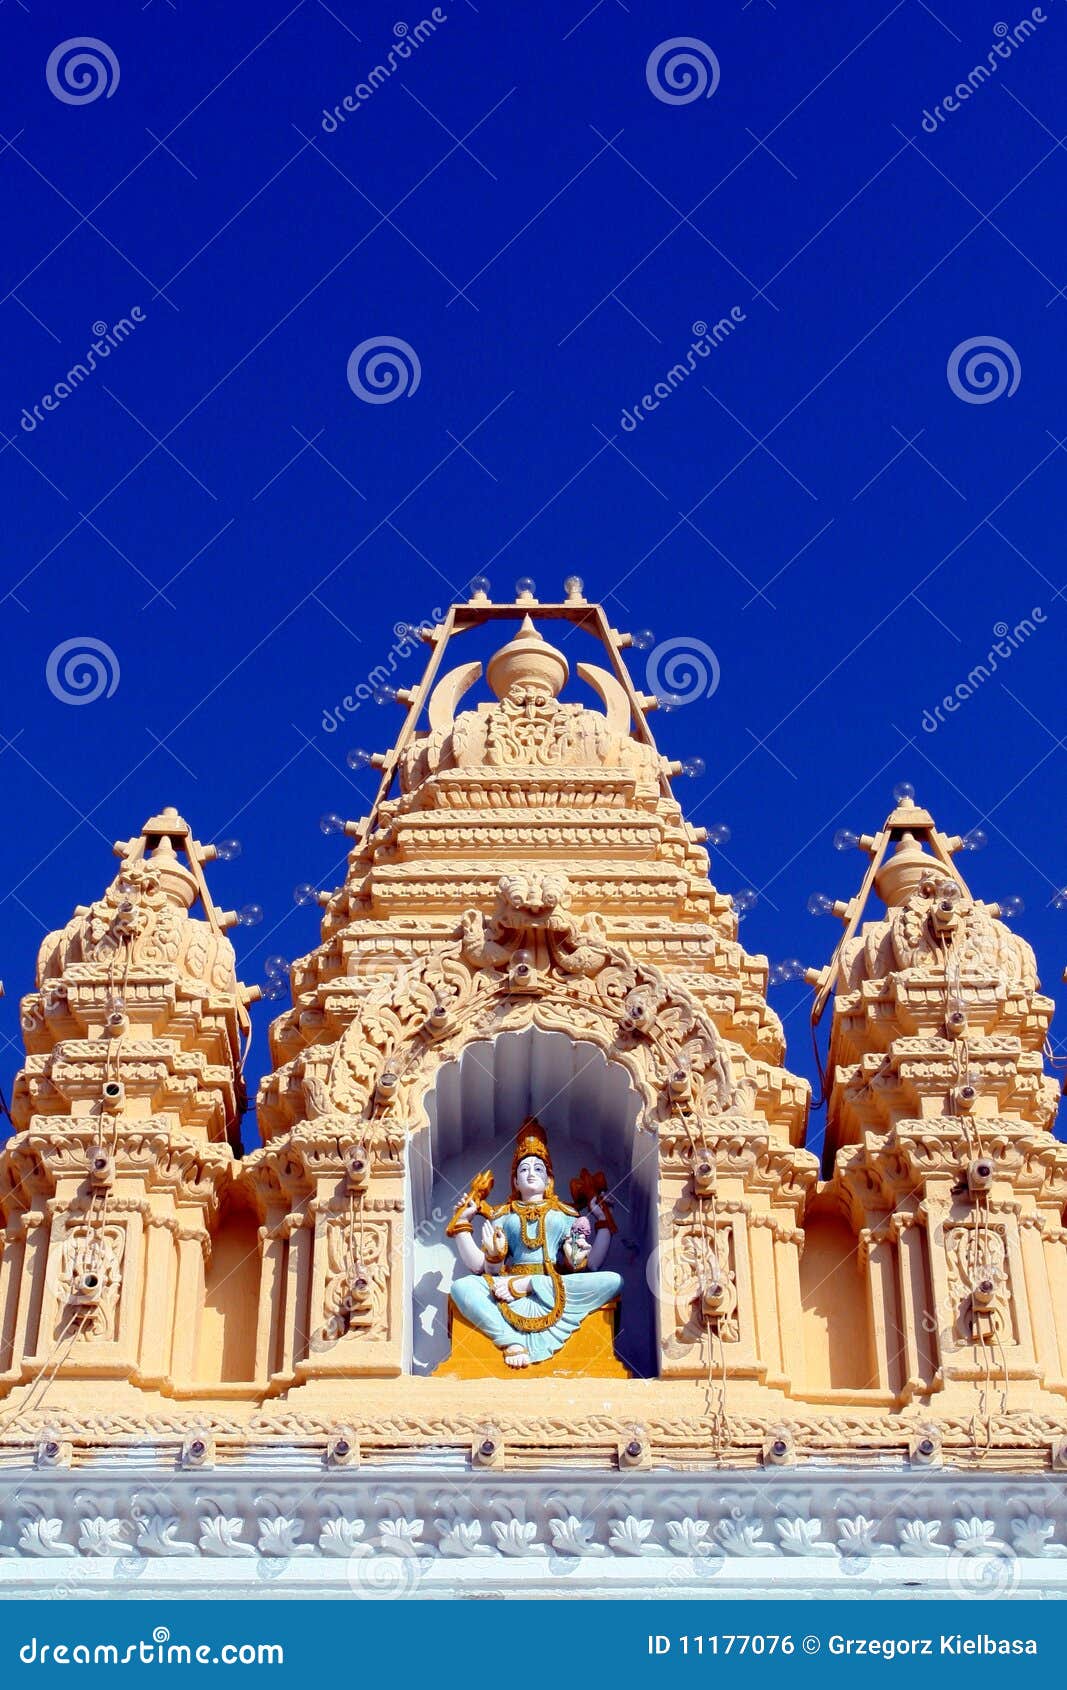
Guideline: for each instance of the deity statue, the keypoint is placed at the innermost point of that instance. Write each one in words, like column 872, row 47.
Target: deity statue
column 537, row 1274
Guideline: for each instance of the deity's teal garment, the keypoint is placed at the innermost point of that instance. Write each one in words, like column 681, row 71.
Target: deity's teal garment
column 577, row 1294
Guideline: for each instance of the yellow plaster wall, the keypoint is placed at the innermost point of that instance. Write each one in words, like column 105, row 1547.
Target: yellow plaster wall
column 834, row 1317
column 227, row 1346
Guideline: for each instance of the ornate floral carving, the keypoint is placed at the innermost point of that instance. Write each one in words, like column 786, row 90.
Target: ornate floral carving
column 157, row 1534
column 425, row 1014
column 574, row 1536
column 220, row 1534
column 92, row 1279
column 44, row 1537
column 704, row 1281
column 342, row 1536
column 356, row 1294
column 940, row 927
column 142, row 920
column 976, row 1256
column 279, row 1534
column 742, row 1534
column 691, row 1537
column 100, row 1535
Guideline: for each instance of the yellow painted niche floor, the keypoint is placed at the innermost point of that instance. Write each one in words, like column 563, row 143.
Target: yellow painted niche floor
column 588, row 1353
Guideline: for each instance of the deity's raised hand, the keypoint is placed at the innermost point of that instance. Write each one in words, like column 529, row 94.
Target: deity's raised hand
column 494, row 1242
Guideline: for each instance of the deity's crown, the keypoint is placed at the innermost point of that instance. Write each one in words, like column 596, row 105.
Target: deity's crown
column 531, row 1141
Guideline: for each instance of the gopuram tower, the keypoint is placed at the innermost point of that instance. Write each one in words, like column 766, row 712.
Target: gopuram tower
column 532, row 1285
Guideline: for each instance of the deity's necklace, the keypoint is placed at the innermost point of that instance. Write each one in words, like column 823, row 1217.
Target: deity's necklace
column 537, row 1213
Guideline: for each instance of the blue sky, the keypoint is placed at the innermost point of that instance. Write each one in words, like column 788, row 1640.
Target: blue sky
column 518, row 204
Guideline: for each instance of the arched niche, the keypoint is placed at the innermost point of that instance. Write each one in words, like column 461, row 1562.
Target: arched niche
column 588, row 1107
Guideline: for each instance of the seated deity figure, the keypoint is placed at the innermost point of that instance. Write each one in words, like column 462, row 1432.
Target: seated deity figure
column 537, row 1274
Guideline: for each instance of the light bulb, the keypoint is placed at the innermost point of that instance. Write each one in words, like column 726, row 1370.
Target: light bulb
column 667, row 701
column 358, row 758
column 1059, row 901
column 385, row 695
column 480, row 584
column 782, row 972
column 904, row 793
column 305, row 893
column 820, row 904
column 523, row 586
column 644, row 639
column 276, row 965
column 276, row 986
column 1011, row 906
column 845, row 839
column 719, row 834
column 116, row 1004
column 976, row 840
column 574, row 586
column 227, row 849
column 744, row 900
column 331, row 822
column 251, row 915
column 694, row 766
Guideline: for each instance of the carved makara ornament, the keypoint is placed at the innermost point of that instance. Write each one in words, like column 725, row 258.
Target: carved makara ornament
column 531, row 924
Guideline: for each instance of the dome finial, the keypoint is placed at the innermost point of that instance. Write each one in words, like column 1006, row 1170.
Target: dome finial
column 527, row 659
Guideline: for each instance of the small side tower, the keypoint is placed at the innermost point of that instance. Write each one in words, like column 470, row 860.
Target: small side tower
column 127, row 1115
column 939, row 1138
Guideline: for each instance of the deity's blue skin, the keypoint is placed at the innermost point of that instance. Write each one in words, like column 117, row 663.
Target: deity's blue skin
column 522, row 1302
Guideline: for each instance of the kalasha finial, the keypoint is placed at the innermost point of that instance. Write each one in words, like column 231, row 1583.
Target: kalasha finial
column 903, row 873
column 527, row 658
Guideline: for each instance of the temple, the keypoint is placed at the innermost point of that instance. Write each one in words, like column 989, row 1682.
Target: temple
column 532, row 1284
